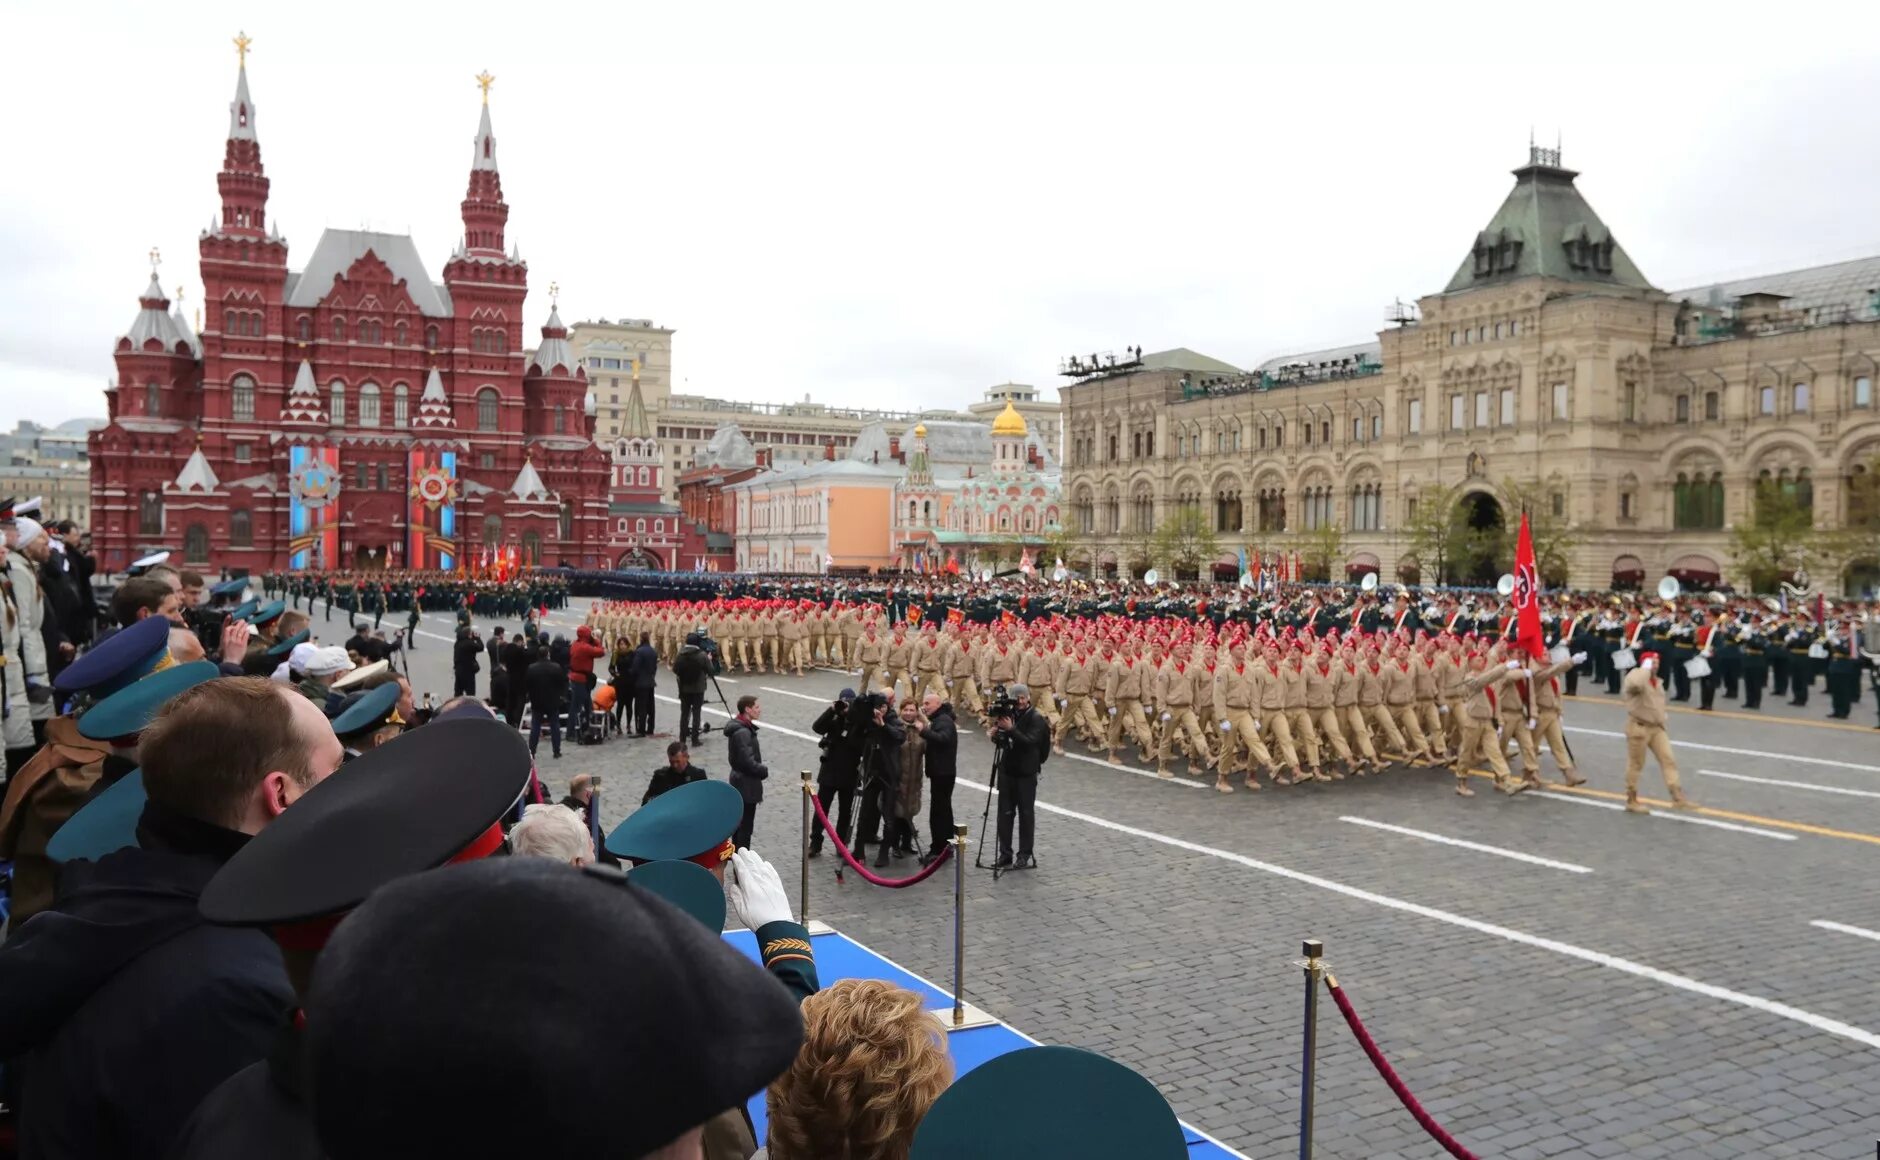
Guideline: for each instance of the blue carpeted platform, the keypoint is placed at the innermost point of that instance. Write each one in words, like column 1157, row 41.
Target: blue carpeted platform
column 840, row 957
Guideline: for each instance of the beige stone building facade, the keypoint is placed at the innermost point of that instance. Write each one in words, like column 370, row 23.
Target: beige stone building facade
column 1645, row 418
column 612, row 351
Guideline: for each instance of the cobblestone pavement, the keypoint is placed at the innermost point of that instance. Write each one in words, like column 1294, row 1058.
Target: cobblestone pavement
column 1643, row 987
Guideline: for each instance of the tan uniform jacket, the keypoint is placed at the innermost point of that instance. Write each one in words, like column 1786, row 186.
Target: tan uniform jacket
column 1644, row 698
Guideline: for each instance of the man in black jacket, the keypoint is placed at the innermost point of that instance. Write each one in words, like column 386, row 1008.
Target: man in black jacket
column 692, row 667
column 882, row 736
column 466, row 663
column 546, row 684
column 748, row 770
column 837, row 773
column 516, row 661
column 120, row 1009
column 679, row 771
column 943, row 744
column 643, row 671
column 1024, row 740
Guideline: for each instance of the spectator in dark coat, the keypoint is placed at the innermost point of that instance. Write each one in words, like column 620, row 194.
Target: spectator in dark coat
column 679, row 771
column 497, row 641
column 547, row 686
column 882, row 735
column 466, row 662
column 943, row 746
column 692, row 668
column 839, row 770
column 644, row 669
column 516, row 663
column 748, row 770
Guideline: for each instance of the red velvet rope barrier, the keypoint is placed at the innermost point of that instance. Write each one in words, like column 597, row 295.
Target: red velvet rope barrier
column 892, row 883
column 1437, row 1132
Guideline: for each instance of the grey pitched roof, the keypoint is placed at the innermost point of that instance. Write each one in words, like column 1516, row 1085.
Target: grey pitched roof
column 1371, row 352
column 554, row 351
column 821, row 469
column 339, row 249
column 484, row 156
column 1545, row 229
column 729, row 448
column 241, row 110
column 1183, row 359
column 1854, row 284
column 154, row 320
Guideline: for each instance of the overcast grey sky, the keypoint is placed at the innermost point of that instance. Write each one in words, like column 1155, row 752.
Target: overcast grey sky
column 901, row 205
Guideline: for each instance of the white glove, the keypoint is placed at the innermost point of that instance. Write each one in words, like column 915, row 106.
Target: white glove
column 1112, row 710
column 1579, row 658
column 1513, row 665
column 1533, row 724
column 1225, row 727
column 1165, row 716
column 755, row 891
column 1442, row 708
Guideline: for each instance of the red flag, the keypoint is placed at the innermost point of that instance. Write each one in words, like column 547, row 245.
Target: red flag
column 1527, row 589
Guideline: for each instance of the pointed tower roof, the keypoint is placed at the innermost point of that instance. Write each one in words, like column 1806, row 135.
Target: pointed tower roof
column 181, row 323
column 554, row 353
column 529, row 486
column 1009, row 422
column 919, row 470
column 434, row 404
column 485, row 154
column 1546, row 229
column 304, row 404
column 241, row 110
column 154, row 320
column 197, row 475
column 637, row 425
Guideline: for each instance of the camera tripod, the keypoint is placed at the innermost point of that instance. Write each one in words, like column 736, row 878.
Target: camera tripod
column 986, row 836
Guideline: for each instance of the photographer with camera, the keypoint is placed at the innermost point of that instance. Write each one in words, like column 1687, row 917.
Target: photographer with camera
column 1023, row 739
column 881, row 734
column 838, row 773
column 692, row 668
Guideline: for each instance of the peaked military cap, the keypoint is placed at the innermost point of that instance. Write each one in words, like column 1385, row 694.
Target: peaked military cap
column 359, row 675
column 686, row 885
column 691, row 823
column 244, row 611
column 413, row 1035
column 367, row 710
column 270, row 611
column 128, row 710
column 105, row 823
column 286, row 644
column 124, row 657
column 1050, row 1101
column 230, row 587
column 428, row 797
column 144, row 564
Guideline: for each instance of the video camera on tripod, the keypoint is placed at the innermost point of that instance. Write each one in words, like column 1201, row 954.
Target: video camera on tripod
column 1001, row 704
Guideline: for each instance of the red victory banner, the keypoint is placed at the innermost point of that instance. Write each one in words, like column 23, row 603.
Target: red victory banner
column 1527, row 590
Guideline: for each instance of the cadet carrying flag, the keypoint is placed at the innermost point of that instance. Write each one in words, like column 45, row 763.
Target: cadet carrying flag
column 1527, row 585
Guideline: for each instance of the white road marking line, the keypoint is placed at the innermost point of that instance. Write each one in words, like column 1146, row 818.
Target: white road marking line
column 788, row 693
column 434, row 636
column 1786, row 757
column 1843, row 928
column 1866, row 793
column 1191, row 783
column 1666, row 815
column 1570, row 867
column 1820, row 1023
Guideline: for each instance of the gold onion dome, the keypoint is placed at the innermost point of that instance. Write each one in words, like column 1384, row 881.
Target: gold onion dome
column 1009, row 422
column 920, row 430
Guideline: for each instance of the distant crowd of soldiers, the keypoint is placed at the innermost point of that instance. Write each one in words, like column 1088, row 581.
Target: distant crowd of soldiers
column 377, row 593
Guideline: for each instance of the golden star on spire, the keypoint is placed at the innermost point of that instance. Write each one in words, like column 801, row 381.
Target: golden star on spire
column 484, row 81
column 242, row 41
column 179, row 295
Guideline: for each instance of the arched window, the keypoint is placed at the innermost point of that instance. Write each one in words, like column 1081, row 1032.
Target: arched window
column 359, row 476
column 229, row 321
column 337, row 408
column 241, row 533
column 532, row 547
column 398, row 333
column 1684, row 409
column 339, row 329
column 645, row 477
column 368, row 404
column 1767, row 401
column 1713, row 406
column 401, row 406
column 567, row 520
column 430, row 337
column 196, row 544
column 561, row 419
column 1863, row 498
column 241, row 390
column 486, row 409
column 303, row 329
column 1799, row 397
column 153, row 399
column 150, row 514
column 378, row 472
column 365, row 331
column 1863, row 391
column 493, row 530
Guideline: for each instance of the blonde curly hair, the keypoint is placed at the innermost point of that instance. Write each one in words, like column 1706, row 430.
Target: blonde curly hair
column 872, row 1062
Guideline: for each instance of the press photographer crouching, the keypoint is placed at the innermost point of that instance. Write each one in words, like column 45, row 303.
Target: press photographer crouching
column 881, row 733
column 839, row 771
column 1023, row 739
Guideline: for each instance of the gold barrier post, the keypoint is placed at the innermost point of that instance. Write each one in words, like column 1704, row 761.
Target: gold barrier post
column 809, row 788
column 959, row 925
column 1314, row 966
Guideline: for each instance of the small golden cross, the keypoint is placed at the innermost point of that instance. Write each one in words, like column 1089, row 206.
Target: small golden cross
column 554, row 293
column 156, row 259
column 484, row 81
column 242, row 41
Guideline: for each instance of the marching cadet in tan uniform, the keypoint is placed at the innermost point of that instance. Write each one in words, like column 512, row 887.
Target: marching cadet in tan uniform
column 1318, row 673
column 1400, row 702
column 1371, row 700
column 1001, row 659
column 1298, row 721
column 1201, row 679
column 929, row 661
column 849, row 634
column 795, row 630
column 870, row 653
column 962, row 665
column 1645, row 730
column 1547, row 709
column 1484, row 687
column 772, row 624
column 899, row 659
column 1516, row 712
column 1428, row 711
column 1175, row 694
column 1270, row 697
column 1450, row 679
column 1346, row 683
column 1080, row 714
column 1123, row 691
column 1038, row 669
column 1101, row 661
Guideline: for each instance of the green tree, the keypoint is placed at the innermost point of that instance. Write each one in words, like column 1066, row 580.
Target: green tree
column 1138, row 553
column 1777, row 539
column 1185, row 541
column 1320, row 551
column 1432, row 532
column 1555, row 536
column 1077, row 552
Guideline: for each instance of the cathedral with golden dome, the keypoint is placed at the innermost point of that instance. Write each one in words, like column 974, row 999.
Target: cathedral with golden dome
column 973, row 495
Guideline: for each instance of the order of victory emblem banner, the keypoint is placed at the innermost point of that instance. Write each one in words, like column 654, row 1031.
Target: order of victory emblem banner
column 433, row 487
column 314, row 484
